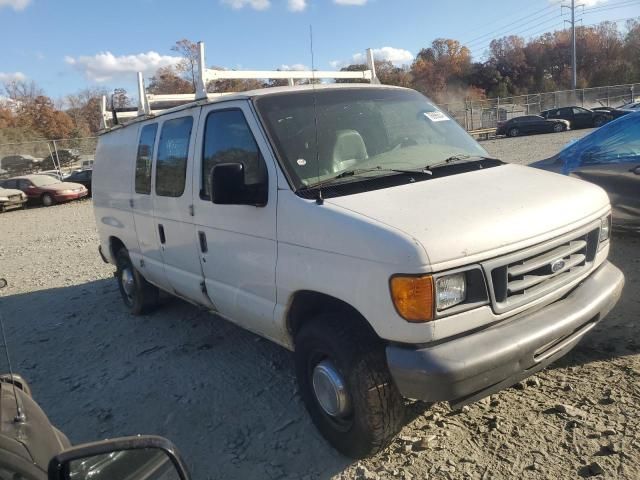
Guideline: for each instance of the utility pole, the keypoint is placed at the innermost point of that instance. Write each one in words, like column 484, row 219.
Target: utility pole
column 574, row 73
column 574, row 66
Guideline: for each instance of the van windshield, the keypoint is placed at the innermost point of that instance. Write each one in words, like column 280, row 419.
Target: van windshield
column 359, row 128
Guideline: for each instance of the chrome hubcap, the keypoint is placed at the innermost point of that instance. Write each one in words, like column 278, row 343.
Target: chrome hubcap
column 330, row 389
column 128, row 284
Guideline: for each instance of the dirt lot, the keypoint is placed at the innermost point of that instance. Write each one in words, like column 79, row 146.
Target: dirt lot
column 228, row 399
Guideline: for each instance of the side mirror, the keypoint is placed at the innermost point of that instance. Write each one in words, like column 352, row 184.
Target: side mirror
column 131, row 458
column 227, row 186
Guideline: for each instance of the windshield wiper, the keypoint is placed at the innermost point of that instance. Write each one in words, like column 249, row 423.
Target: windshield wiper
column 360, row 171
column 459, row 159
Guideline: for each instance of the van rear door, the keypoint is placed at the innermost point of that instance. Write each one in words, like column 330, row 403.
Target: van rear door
column 173, row 205
column 149, row 258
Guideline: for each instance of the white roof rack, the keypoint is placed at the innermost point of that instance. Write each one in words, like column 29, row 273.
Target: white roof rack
column 207, row 75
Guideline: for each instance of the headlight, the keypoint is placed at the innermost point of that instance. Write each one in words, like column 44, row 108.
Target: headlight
column 4, row 199
column 450, row 290
column 66, row 192
column 605, row 228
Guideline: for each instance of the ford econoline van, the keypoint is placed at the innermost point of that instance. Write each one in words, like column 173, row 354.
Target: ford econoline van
column 364, row 229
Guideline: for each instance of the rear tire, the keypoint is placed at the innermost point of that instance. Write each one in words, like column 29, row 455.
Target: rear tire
column 138, row 295
column 372, row 410
column 599, row 121
column 513, row 132
column 558, row 127
column 47, row 200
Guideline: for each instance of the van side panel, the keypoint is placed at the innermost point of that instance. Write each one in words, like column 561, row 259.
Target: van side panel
column 113, row 174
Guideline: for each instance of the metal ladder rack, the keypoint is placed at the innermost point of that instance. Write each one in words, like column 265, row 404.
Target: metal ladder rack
column 206, row 75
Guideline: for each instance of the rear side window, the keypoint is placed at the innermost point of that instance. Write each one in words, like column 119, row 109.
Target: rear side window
column 228, row 139
column 144, row 158
column 173, row 149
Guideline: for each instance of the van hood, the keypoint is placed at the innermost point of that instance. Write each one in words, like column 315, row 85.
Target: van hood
column 469, row 217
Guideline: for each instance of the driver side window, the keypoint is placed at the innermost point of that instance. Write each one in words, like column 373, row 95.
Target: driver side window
column 228, row 139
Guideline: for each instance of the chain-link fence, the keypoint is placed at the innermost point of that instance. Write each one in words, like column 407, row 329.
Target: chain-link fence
column 481, row 114
column 55, row 156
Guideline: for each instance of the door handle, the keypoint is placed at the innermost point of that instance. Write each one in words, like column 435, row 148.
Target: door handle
column 163, row 239
column 203, row 242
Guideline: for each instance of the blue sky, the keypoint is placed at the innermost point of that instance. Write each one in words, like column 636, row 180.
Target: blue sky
column 67, row 45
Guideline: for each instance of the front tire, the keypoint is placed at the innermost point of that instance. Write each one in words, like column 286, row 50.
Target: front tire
column 599, row 121
column 346, row 385
column 139, row 295
column 513, row 132
column 47, row 200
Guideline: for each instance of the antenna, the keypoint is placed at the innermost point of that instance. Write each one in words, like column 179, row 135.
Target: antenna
column 19, row 413
column 319, row 199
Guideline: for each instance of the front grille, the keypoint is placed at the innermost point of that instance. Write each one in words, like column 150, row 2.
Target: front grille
column 14, row 198
column 529, row 274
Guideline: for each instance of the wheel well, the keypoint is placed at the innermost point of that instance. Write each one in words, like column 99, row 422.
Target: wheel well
column 115, row 244
column 306, row 305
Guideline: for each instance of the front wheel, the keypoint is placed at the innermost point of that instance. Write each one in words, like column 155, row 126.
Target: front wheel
column 346, row 385
column 138, row 294
column 514, row 132
column 599, row 121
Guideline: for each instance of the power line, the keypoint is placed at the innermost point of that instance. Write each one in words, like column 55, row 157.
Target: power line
column 509, row 25
column 519, row 32
column 612, row 6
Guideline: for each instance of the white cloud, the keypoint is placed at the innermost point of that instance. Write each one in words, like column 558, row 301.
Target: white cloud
column 17, row 5
column 295, row 67
column 12, row 76
column 105, row 66
column 357, row 3
column 397, row 56
column 255, row 4
column 297, row 5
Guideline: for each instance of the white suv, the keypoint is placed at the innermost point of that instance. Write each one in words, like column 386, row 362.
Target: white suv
column 361, row 227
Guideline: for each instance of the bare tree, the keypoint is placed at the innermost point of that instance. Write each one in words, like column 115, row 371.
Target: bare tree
column 188, row 50
column 22, row 90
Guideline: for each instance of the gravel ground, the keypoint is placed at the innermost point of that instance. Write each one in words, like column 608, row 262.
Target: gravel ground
column 531, row 148
column 228, row 399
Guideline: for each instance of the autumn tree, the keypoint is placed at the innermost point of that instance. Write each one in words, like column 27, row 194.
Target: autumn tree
column 83, row 108
column 167, row 81
column 42, row 116
column 443, row 65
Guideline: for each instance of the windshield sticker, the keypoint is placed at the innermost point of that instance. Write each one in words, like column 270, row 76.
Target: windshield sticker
column 436, row 116
column 301, row 161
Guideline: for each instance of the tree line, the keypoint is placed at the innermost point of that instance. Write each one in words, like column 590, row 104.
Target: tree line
column 445, row 71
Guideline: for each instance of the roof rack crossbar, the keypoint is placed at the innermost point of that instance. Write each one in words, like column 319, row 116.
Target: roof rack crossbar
column 207, row 75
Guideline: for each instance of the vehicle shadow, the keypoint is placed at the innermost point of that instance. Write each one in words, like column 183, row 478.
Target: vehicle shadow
column 227, row 398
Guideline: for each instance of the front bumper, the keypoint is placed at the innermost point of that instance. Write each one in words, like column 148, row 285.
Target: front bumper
column 18, row 202
column 471, row 367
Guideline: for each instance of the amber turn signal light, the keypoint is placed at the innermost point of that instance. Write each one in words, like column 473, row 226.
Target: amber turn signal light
column 413, row 297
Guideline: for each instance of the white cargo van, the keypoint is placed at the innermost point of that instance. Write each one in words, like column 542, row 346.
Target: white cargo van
column 361, row 227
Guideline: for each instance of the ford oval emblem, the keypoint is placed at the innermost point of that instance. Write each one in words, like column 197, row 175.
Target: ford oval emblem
column 557, row 265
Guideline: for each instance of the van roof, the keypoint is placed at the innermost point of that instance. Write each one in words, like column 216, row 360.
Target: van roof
column 250, row 94
column 204, row 76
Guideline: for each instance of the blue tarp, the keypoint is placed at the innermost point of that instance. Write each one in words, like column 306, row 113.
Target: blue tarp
column 616, row 142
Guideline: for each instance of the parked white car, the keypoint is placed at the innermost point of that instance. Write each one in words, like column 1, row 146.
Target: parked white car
column 11, row 198
column 361, row 227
